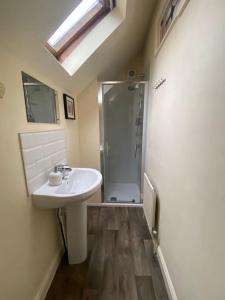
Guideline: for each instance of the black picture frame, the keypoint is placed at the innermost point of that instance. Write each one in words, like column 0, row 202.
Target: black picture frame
column 69, row 107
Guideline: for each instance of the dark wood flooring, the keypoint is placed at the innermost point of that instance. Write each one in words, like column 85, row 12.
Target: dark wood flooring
column 120, row 263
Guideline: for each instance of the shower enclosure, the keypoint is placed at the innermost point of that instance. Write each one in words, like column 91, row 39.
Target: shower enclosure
column 122, row 106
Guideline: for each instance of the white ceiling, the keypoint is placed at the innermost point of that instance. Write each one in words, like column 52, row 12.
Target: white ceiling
column 25, row 26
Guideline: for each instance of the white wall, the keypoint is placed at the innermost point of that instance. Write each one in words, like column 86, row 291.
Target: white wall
column 29, row 237
column 136, row 64
column 89, row 137
column 186, row 148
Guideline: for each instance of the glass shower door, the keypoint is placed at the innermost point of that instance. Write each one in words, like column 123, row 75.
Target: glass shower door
column 122, row 109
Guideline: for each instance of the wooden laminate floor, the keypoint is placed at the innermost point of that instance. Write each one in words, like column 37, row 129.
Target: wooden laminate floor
column 120, row 263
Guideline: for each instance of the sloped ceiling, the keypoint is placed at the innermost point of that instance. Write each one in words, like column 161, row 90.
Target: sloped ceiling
column 26, row 25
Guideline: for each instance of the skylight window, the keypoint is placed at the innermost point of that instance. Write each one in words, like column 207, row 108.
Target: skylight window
column 82, row 19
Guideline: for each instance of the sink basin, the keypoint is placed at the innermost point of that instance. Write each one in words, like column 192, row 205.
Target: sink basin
column 72, row 194
column 81, row 184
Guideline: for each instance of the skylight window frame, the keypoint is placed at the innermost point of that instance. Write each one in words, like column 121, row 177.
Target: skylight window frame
column 107, row 6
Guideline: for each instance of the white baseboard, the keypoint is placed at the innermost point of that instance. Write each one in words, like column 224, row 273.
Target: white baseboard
column 115, row 204
column 47, row 280
column 166, row 276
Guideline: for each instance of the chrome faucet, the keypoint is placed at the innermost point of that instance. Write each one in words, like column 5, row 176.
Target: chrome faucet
column 63, row 169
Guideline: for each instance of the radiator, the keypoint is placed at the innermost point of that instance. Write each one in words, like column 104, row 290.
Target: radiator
column 149, row 202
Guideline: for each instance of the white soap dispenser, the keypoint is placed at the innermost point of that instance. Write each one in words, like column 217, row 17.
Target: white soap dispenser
column 55, row 178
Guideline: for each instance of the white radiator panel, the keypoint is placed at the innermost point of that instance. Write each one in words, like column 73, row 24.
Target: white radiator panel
column 149, row 197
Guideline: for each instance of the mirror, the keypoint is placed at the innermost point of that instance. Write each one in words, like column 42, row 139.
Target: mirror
column 40, row 100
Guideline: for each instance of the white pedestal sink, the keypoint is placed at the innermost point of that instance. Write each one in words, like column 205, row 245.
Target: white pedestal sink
column 72, row 194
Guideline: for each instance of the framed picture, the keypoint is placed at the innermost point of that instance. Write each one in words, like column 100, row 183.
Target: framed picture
column 69, row 107
column 170, row 12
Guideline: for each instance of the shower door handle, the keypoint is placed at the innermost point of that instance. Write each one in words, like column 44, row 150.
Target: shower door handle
column 107, row 149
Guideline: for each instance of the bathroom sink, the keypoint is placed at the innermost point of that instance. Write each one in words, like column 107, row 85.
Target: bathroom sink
column 81, row 184
column 72, row 194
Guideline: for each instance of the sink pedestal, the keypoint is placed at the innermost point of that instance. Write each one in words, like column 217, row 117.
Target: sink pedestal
column 72, row 194
column 76, row 228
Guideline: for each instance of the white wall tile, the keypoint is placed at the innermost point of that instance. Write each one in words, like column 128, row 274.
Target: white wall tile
column 44, row 164
column 41, row 152
column 27, row 140
column 37, row 182
column 31, row 155
column 40, row 138
column 31, row 171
